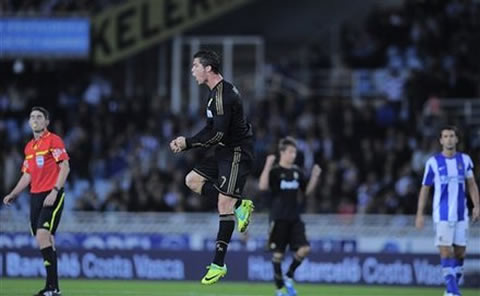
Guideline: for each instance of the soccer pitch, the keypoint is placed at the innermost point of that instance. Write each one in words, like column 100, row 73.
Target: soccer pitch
column 21, row 287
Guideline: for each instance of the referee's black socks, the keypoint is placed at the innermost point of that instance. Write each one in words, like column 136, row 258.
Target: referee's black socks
column 50, row 262
column 225, row 231
column 55, row 270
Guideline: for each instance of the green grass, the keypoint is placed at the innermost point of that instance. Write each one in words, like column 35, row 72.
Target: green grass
column 21, row 287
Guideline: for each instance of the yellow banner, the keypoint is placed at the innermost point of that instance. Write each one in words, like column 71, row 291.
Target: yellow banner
column 135, row 25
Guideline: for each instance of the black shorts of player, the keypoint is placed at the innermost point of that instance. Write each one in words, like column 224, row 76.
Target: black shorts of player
column 228, row 169
column 284, row 232
column 45, row 217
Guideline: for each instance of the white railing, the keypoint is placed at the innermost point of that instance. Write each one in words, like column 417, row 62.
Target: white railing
column 467, row 110
column 317, row 225
column 321, row 82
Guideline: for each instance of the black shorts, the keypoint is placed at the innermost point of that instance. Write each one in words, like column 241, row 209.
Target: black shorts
column 283, row 233
column 228, row 169
column 45, row 217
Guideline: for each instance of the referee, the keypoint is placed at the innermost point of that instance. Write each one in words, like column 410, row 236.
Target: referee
column 45, row 169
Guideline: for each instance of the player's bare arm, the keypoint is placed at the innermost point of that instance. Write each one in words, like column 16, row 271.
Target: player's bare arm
column 422, row 201
column 473, row 191
column 23, row 183
column 61, row 179
column 263, row 183
column 312, row 183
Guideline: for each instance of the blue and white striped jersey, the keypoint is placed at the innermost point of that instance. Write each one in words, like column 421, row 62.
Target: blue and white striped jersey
column 449, row 175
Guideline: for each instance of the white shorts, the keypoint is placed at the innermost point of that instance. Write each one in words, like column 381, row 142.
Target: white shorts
column 451, row 233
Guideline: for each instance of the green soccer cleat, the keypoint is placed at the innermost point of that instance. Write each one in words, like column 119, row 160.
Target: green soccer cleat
column 243, row 214
column 214, row 273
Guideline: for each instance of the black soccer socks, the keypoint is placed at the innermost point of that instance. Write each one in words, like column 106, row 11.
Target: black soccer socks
column 277, row 273
column 295, row 263
column 55, row 261
column 50, row 262
column 225, row 230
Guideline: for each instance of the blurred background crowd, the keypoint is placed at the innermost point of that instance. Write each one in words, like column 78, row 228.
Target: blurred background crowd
column 371, row 141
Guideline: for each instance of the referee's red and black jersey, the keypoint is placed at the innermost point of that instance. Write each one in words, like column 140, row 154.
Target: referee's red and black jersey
column 41, row 161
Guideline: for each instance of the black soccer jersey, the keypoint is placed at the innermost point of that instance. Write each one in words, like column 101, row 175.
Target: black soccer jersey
column 284, row 185
column 226, row 122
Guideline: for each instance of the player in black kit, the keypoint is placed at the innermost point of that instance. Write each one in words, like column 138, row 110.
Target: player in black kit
column 225, row 174
column 284, row 180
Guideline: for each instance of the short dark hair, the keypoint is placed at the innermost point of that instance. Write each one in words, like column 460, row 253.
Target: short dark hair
column 285, row 142
column 449, row 128
column 42, row 110
column 209, row 58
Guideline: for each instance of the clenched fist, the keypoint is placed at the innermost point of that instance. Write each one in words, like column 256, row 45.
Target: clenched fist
column 178, row 144
column 270, row 159
column 316, row 171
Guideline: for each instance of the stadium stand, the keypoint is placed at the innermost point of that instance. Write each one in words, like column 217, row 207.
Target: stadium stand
column 371, row 149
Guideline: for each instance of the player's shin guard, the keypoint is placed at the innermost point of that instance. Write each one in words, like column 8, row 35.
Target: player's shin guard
column 208, row 190
column 295, row 263
column 50, row 265
column 458, row 268
column 277, row 271
column 225, row 230
column 449, row 276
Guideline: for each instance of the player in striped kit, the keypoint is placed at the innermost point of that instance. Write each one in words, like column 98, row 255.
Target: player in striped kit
column 451, row 174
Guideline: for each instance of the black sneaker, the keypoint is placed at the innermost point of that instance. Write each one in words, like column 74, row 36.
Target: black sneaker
column 50, row 292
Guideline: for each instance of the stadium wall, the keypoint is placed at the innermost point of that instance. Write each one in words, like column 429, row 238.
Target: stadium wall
column 319, row 268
